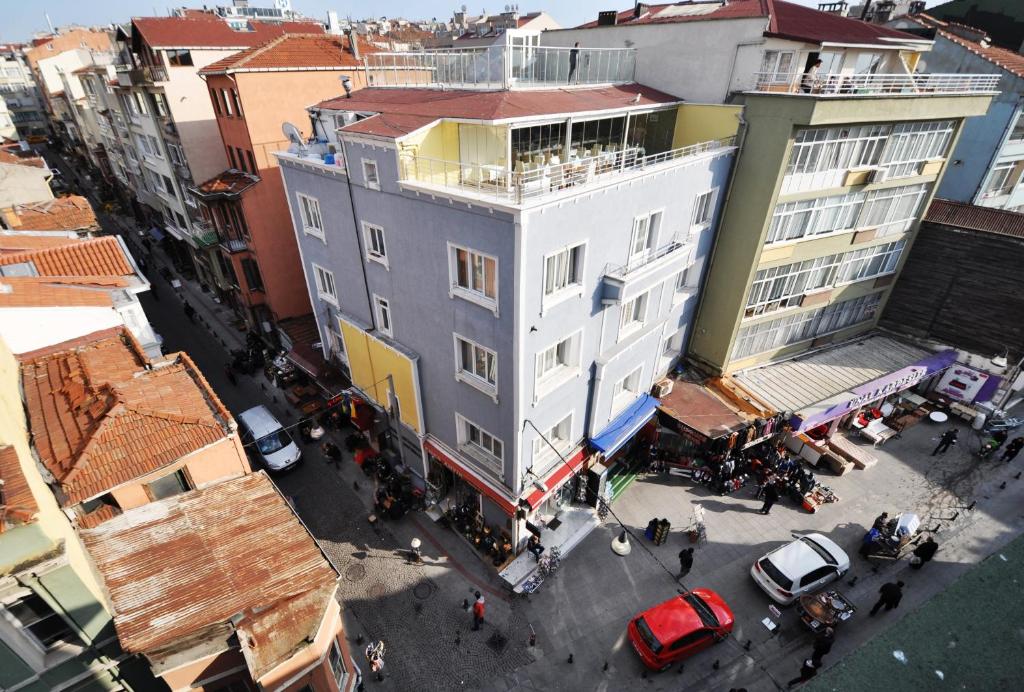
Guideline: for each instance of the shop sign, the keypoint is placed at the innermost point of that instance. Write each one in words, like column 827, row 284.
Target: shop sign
column 962, row 383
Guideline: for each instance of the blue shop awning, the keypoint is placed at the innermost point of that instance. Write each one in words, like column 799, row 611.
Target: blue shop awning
column 625, row 425
column 157, row 234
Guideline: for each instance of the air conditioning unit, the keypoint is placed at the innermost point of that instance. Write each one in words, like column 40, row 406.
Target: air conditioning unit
column 662, row 388
column 879, row 175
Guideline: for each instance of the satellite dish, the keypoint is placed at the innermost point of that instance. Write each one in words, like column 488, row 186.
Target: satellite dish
column 292, row 133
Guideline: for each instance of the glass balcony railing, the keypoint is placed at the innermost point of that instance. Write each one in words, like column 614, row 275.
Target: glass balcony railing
column 850, row 85
column 502, row 67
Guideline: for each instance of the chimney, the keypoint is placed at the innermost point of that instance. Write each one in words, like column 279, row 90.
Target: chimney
column 607, row 18
column 353, row 42
column 640, row 9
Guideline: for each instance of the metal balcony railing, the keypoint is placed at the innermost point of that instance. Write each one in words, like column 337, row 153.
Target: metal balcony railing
column 233, row 245
column 497, row 182
column 850, row 85
column 678, row 246
column 502, row 67
column 130, row 75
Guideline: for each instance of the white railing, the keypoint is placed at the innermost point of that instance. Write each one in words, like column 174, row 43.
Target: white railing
column 502, row 67
column 846, row 85
column 497, row 182
column 678, row 245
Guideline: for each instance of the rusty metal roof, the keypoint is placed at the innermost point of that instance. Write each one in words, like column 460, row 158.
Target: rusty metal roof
column 231, row 556
column 975, row 218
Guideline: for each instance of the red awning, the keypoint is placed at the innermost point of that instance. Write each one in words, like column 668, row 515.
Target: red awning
column 503, row 503
column 556, row 478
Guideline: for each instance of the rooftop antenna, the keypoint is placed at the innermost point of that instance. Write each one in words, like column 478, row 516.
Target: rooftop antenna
column 346, row 84
column 294, row 136
column 48, row 22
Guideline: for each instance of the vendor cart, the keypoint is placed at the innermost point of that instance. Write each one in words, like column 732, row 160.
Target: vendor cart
column 825, row 609
column 896, row 537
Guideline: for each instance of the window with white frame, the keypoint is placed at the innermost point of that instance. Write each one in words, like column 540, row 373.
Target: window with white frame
column 819, row 216
column 777, row 288
column 999, row 182
column 822, row 149
column 670, row 346
column 325, row 284
column 563, row 270
column 679, row 288
column 1017, row 133
column 473, row 275
column 370, row 174
column 911, row 144
column 645, row 230
column 337, row 661
column 893, row 210
column 777, row 67
column 40, row 624
column 154, row 147
column 560, row 358
column 634, row 314
column 475, row 364
column 176, row 153
column 871, row 262
column 704, row 209
column 480, row 444
column 382, row 308
column 559, row 436
column 375, row 248
column 309, row 209
column 626, row 390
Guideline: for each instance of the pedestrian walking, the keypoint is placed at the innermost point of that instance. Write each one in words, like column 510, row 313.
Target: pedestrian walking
column 924, row 553
column 771, row 496
column 890, row 595
column 685, row 561
column 190, row 312
column 822, row 645
column 1013, row 449
column 948, row 438
column 478, row 611
column 807, row 671
column 332, row 455
column 229, row 373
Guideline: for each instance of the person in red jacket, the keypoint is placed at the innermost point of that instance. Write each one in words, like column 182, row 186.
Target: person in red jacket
column 478, row 611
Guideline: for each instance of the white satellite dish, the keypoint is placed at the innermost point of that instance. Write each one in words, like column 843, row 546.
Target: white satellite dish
column 294, row 136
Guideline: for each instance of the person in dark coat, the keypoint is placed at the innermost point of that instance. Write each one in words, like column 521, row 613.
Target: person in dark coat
column 807, row 671
column 890, row 595
column 685, row 561
column 822, row 645
column 190, row 312
column 948, row 439
column 924, row 552
column 880, row 521
column 1013, row 449
column 771, row 496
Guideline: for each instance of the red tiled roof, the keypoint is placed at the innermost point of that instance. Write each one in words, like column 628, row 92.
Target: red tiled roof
column 1006, row 59
column 70, row 213
column 34, row 161
column 975, row 218
column 36, row 292
column 79, row 257
column 229, row 182
column 405, row 110
column 294, row 51
column 669, row 14
column 101, row 415
column 204, row 30
column 232, row 556
column 17, row 504
column 23, row 242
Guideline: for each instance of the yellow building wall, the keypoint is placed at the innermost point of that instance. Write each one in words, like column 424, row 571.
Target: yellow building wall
column 371, row 361
column 432, row 156
column 697, row 122
column 14, row 432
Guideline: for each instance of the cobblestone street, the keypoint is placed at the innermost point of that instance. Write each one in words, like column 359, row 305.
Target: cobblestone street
column 583, row 609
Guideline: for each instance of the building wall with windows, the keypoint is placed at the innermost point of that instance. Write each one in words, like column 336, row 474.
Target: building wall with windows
column 813, row 226
column 19, row 92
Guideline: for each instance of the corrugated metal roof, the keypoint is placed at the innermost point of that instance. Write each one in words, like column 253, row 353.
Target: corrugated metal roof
column 975, row 218
column 793, row 385
column 181, row 568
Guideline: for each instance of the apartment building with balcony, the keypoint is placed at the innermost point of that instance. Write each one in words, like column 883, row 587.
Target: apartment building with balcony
column 20, row 94
column 46, row 75
column 506, row 262
column 842, row 146
column 245, row 204
column 173, row 123
column 987, row 167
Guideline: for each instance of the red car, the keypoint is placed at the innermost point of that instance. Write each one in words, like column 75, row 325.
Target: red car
column 679, row 628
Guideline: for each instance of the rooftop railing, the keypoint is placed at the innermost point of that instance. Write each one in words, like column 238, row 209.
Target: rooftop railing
column 848, row 85
column 676, row 247
column 502, row 67
column 496, row 182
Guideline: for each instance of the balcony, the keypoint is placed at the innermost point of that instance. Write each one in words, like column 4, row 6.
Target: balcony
column 544, row 181
column 144, row 75
column 854, row 85
column 502, row 67
column 234, row 245
column 648, row 269
column 204, row 234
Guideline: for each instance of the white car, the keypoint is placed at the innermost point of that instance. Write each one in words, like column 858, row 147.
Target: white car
column 800, row 567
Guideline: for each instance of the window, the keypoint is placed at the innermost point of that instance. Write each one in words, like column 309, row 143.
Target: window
column 680, row 290
column 227, row 104
column 216, row 101
column 309, row 208
column 337, row 664
column 704, row 208
column 625, row 391
column 480, row 444
column 561, row 358
column 691, row 639
column 34, row 617
column 870, row 262
column 241, row 159
column 777, row 66
column 370, row 174
column 836, row 148
column 168, row 486
column 1017, row 134
column 382, row 307
column 560, row 437
column 474, row 276
column 375, row 248
column 634, row 312
column 236, row 102
column 252, row 275
column 180, row 219
column 782, row 287
column 911, row 144
column 161, row 105
column 168, row 185
column 325, row 284
column 176, row 154
column 893, row 210
column 139, row 100
column 252, row 162
column 475, row 364
column 645, row 230
column 563, row 270
column 999, row 182
column 793, row 220
column 179, row 58
column 231, row 157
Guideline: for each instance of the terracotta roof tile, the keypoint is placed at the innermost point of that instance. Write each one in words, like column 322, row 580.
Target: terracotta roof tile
column 1006, row 59
column 205, row 30
column 229, row 182
column 183, row 568
column 36, row 292
column 101, row 414
column 296, row 51
column 976, row 218
column 666, row 14
column 71, row 213
column 23, row 242
column 33, row 161
column 17, row 504
column 79, row 257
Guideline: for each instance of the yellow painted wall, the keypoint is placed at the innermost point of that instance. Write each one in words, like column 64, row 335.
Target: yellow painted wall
column 697, row 122
column 14, row 432
column 439, row 143
column 371, row 361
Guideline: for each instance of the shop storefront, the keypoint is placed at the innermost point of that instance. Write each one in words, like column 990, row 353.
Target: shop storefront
column 622, row 450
